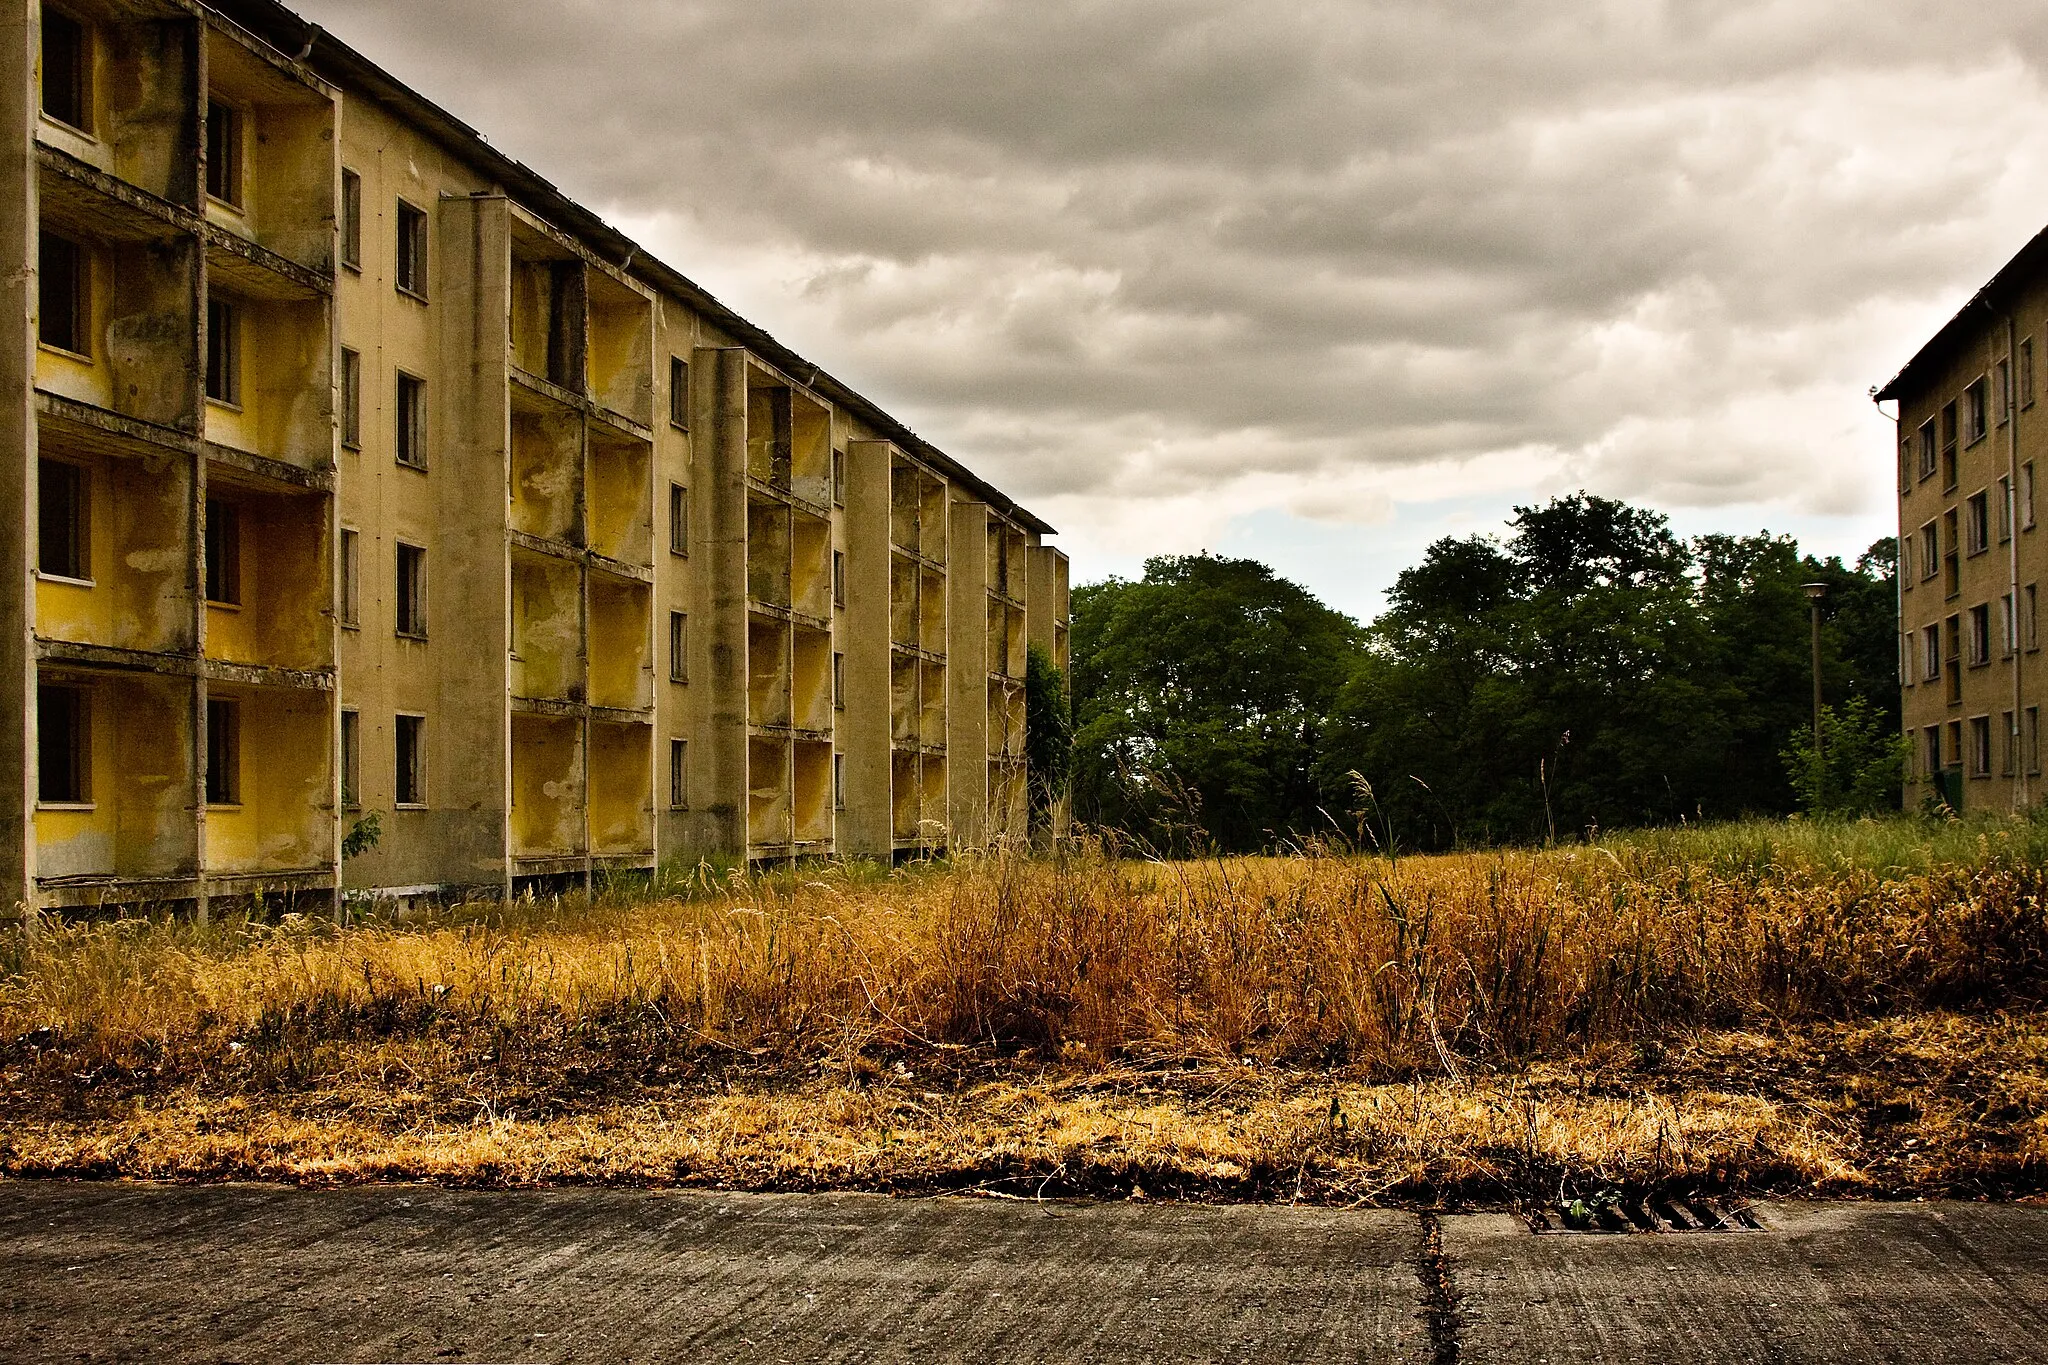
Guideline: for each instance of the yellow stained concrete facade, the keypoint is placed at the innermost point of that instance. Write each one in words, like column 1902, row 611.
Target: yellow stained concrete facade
column 359, row 472
column 1972, row 555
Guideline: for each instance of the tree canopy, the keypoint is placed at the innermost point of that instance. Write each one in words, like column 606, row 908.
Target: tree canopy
column 1586, row 669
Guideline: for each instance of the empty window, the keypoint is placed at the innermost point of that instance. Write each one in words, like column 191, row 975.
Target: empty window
column 410, row 787
column 838, row 578
column 678, row 642
column 223, row 552
column 1980, row 634
column 2004, row 510
column 1927, row 449
column 411, row 431
column 1948, row 445
column 412, row 590
column 2028, row 634
column 67, row 70
column 2008, row 749
column 1930, row 550
column 2008, row 627
column 839, row 782
column 679, row 392
column 1906, row 564
column 351, row 760
column 1978, row 524
column 351, row 579
column 351, row 399
column 1980, row 746
column 678, row 765
column 678, row 519
column 2027, row 373
column 1974, row 417
column 63, row 745
column 351, row 220
column 1952, row 747
column 63, row 521
column 412, row 249
column 2003, row 371
column 839, row 478
column 63, row 294
column 223, row 352
column 2030, row 740
column 1933, row 750
column 223, row 752
column 224, row 152
column 1930, row 658
column 2027, row 495
column 839, row 681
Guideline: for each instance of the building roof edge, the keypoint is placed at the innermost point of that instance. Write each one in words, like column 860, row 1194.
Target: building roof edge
column 1950, row 338
column 290, row 33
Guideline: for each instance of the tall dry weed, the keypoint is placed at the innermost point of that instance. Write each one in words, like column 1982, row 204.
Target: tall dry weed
column 1431, row 964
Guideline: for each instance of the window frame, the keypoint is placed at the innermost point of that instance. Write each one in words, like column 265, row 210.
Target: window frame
column 78, row 746
column 222, row 559
column 1977, row 635
column 77, row 306
column 409, row 780
column 678, row 773
column 351, row 774
column 679, row 647
column 226, row 175
column 349, row 607
column 1976, row 411
column 409, row 273
column 679, row 520
column 409, row 605
column 678, row 393
column 350, row 382
column 1980, row 746
column 223, row 753
column 409, row 420
column 81, row 64
column 222, row 382
column 1977, row 523
column 79, row 534
column 351, row 244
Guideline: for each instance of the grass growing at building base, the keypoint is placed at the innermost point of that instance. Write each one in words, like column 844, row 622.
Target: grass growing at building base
column 1838, row 1008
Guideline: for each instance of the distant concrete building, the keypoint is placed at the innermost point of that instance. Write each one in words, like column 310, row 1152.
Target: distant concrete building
column 358, row 470
column 1971, row 553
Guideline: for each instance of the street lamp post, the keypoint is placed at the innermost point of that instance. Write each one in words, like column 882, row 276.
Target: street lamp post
column 1814, row 592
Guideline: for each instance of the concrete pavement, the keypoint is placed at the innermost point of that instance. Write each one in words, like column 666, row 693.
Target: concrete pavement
column 126, row 1272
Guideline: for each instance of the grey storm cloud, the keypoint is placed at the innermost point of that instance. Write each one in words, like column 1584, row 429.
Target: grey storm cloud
column 1206, row 256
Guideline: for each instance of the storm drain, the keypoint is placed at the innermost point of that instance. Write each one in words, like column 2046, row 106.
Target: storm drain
column 1621, row 1214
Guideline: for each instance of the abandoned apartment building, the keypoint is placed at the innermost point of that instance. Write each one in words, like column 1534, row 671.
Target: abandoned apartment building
column 1972, row 555
column 360, row 472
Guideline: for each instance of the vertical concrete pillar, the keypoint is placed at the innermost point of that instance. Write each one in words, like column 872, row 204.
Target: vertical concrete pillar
column 864, row 733
column 469, row 737
column 967, row 668
column 720, row 374
column 20, row 41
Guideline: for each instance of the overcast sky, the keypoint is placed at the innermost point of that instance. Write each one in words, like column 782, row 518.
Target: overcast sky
column 1317, row 283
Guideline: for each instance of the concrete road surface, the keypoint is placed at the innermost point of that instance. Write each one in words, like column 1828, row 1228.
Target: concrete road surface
column 126, row 1272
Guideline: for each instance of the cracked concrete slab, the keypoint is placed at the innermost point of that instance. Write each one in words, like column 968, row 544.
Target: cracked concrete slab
column 1963, row 1283
column 120, row 1272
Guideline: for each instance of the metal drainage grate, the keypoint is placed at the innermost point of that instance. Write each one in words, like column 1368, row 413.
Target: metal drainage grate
column 1648, row 1215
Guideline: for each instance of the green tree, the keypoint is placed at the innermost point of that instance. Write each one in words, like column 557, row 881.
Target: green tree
column 1199, row 696
column 1048, row 730
column 1859, row 768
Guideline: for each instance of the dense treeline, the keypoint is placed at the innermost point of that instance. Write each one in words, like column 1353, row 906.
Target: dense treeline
column 1589, row 669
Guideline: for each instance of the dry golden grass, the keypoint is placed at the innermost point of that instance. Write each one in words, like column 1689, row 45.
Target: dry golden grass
column 1837, row 1013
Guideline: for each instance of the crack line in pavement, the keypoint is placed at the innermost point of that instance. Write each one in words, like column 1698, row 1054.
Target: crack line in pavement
column 1439, row 1294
